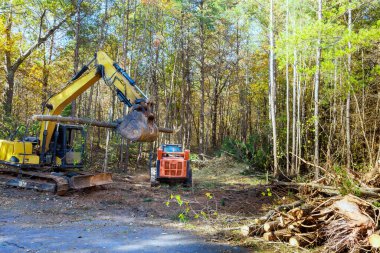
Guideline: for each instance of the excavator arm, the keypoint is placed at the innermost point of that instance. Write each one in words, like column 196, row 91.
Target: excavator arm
column 101, row 66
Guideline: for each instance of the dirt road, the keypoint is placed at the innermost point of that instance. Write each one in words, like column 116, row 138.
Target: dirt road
column 20, row 232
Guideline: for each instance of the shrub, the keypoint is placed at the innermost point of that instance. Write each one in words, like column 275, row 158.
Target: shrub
column 255, row 152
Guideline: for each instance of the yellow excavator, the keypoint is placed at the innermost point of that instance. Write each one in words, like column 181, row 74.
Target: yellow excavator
column 54, row 161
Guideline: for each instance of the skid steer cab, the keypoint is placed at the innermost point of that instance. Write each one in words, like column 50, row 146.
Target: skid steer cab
column 172, row 166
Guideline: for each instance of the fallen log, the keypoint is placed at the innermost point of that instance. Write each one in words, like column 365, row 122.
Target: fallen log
column 75, row 120
column 273, row 225
column 269, row 236
column 90, row 122
column 303, row 240
column 278, row 235
column 294, row 228
column 290, row 206
column 282, row 208
column 247, row 230
column 331, row 190
column 251, row 230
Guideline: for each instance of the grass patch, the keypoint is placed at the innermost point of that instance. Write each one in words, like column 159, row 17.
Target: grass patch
column 224, row 171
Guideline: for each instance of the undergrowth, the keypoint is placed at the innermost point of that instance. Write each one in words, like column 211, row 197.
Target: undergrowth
column 254, row 152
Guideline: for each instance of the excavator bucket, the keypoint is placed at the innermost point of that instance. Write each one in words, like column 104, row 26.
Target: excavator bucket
column 90, row 180
column 139, row 125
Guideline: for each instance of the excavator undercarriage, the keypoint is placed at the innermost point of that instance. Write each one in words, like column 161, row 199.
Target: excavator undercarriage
column 44, row 179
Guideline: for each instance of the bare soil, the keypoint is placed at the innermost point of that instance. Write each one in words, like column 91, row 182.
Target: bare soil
column 214, row 204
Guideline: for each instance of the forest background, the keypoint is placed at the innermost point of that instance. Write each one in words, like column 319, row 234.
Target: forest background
column 286, row 86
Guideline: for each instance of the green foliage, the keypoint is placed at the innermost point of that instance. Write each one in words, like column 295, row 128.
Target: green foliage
column 268, row 192
column 15, row 130
column 67, row 111
column 345, row 183
column 255, row 152
column 194, row 157
column 187, row 211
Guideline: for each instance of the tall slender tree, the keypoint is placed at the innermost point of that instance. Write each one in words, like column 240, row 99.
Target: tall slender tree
column 272, row 85
column 316, row 91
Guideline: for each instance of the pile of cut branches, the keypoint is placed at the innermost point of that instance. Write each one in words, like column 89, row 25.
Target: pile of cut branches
column 340, row 224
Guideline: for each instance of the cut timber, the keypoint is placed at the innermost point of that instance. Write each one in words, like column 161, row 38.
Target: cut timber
column 272, row 226
column 302, row 240
column 247, row 230
column 279, row 235
column 260, row 221
column 269, row 236
column 300, row 212
column 290, row 206
column 326, row 189
column 134, row 126
column 74, row 120
column 251, row 230
column 282, row 235
column 282, row 208
column 294, row 228
column 374, row 241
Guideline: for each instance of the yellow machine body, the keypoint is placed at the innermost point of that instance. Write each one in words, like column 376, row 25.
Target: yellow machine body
column 18, row 152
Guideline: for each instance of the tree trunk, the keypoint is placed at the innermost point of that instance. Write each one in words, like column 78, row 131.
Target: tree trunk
column 214, row 116
column 105, row 165
column 202, row 85
column 348, row 101
column 294, row 121
column 9, row 93
column 76, row 53
column 188, row 97
column 124, row 161
column 272, row 93
column 287, row 93
column 316, row 94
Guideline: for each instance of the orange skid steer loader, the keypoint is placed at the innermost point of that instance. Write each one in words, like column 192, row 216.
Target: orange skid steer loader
column 172, row 166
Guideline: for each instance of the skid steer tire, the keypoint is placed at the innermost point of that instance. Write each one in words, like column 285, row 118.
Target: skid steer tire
column 189, row 177
column 153, row 177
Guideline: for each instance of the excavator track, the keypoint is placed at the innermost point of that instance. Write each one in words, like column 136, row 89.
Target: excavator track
column 58, row 183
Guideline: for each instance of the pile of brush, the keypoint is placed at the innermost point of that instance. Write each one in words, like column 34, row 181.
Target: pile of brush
column 340, row 224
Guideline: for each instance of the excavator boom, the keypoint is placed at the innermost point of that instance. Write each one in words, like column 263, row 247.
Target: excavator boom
column 113, row 75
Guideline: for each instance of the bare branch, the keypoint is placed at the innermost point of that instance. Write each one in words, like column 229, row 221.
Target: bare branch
column 41, row 23
column 40, row 41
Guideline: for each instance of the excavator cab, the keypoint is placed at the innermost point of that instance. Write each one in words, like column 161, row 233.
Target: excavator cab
column 67, row 148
